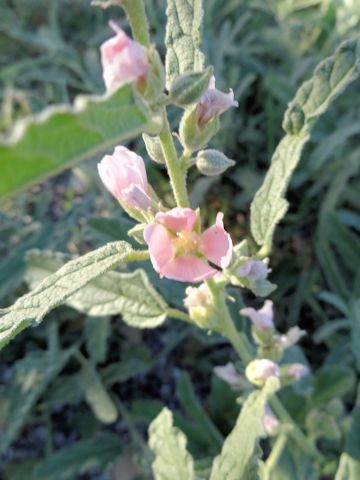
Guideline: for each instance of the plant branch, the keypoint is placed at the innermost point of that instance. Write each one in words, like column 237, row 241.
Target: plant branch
column 174, row 167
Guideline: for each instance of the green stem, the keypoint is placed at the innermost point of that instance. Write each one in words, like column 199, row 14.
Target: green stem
column 135, row 10
column 242, row 347
column 179, row 315
column 275, row 454
column 137, row 256
column 174, row 166
column 294, row 431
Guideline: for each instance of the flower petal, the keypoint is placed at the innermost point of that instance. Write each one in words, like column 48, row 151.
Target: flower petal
column 217, row 243
column 160, row 246
column 178, row 219
column 188, row 269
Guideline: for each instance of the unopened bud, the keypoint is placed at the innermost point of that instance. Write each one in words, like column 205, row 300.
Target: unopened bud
column 153, row 148
column 199, row 302
column 262, row 319
column 270, row 422
column 194, row 136
column 213, row 162
column 188, row 88
column 294, row 372
column 258, row 371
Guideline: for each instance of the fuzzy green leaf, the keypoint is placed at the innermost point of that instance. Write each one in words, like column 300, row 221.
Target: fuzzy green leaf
column 58, row 287
column 183, row 38
column 172, row 460
column 61, row 136
column 128, row 294
column 330, row 79
column 239, row 456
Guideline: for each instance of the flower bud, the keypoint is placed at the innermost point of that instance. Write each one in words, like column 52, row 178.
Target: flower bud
column 270, row 422
column 199, row 302
column 192, row 135
column 292, row 337
column 123, row 174
column 153, row 148
column 294, row 372
column 188, row 88
column 229, row 374
column 213, row 103
column 262, row 319
column 258, row 371
column 253, row 270
column 212, row 162
column 123, row 60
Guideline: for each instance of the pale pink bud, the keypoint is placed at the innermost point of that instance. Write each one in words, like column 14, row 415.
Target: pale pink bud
column 197, row 296
column 178, row 251
column 263, row 318
column 292, row 337
column 270, row 422
column 297, row 370
column 213, row 103
column 253, row 270
column 258, row 371
column 123, row 174
column 123, row 60
column 228, row 374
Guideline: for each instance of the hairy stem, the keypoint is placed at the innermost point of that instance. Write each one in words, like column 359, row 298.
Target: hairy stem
column 137, row 256
column 174, row 167
column 179, row 315
column 135, row 10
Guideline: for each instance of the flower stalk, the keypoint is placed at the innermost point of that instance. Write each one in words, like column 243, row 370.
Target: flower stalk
column 135, row 10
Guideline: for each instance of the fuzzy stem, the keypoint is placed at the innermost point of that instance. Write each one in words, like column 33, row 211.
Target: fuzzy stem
column 174, row 166
column 137, row 256
column 179, row 315
column 135, row 10
column 275, row 454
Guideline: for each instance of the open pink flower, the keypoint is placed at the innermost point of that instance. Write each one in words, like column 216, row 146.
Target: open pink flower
column 123, row 60
column 123, row 174
column 179, row 251
column 214, row 103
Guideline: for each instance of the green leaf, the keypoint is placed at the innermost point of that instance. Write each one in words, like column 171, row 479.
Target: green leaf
column 349, row 466
column 31, row 378
column 355, row 331
column 97, row 396
column 330, row 79
column 183, row 38
column 172, row 460
column 61, row 136
column 239, row 457
column 69, row 462
column 331, row 382
column 58, row 287
column 128, row 294
column 97, row 331
column 194, row 409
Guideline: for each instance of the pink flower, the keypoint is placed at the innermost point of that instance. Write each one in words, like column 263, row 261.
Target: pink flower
column 263, row 318
column 123, row 174
column 214, row 103
column 270, row 422
column 297, row 370
column 122, row 59
column 179, row 251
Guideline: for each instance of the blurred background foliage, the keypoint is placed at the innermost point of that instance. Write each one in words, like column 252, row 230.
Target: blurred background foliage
column 87, row 369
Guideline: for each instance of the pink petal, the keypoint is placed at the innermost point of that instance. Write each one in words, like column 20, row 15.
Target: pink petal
column 160, row 246
column 178, row 219
column 188, row 269
column 217, row 243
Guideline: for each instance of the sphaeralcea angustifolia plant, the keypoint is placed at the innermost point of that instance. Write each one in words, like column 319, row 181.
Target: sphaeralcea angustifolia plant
column 175, row 239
